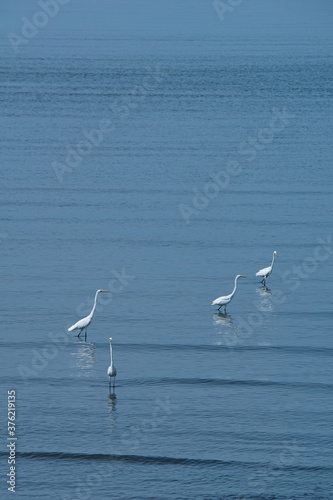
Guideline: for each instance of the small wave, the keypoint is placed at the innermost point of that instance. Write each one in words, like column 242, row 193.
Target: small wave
column 145, row 347
column 142, row 459
column 221, row 382
column 41, row 455
column 164, row 381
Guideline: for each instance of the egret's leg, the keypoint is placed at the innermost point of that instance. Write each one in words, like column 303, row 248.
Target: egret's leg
column 219, row 308
column 114, row 382
column 85, row 334
column 80, row 332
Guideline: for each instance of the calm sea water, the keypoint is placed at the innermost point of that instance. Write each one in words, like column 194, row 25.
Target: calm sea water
column 171, row 96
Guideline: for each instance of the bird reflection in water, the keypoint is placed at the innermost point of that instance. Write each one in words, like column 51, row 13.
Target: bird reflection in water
column 266, row 299
column 112, row 403
column 112, row 400
column 84, row 354
column 227, row 329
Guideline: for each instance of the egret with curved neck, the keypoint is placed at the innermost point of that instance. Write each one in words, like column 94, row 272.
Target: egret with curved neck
column 223, row 301
column 264, row 273
column 83, row 323
column 112, row 371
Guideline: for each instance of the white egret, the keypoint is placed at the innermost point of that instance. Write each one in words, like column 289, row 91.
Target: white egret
column 264, row 273
column 83, row 323
column 223, row 301
column 112, row 371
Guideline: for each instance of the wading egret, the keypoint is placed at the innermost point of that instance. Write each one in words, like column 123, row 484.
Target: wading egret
column 83, row 323
column 264, row 273
column 223, row 301
column 112, row 371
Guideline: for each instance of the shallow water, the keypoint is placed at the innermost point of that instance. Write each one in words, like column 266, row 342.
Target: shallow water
column 206, row 405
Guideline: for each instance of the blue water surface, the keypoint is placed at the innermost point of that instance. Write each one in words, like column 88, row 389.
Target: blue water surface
column 157, row 149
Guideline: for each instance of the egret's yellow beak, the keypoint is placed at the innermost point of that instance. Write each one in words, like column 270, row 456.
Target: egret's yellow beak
column 276, row 254
column 105, row 291
column 110, row 339
column 243, row 276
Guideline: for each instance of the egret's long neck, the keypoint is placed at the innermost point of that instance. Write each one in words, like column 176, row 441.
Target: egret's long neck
column 234, row 290
column 93, row 309
column 273, row 260
column 111, row 356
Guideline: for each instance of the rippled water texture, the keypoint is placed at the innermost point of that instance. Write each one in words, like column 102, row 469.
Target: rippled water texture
column 157, row 149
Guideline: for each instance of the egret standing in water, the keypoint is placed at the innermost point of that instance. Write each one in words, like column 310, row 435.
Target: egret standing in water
column 223, row 301
column 112, row 371
column 264, row 273
column 83, row 323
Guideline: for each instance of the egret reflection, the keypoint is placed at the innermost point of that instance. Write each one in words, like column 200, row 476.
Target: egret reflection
column 84, row 354
column 266, row 299
column 264, row 291
column 112, row 401
column 112, row 407
column 227, row 329
column 222, row 319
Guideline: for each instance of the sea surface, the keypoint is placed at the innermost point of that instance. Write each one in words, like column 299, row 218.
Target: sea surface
column 156, row 149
